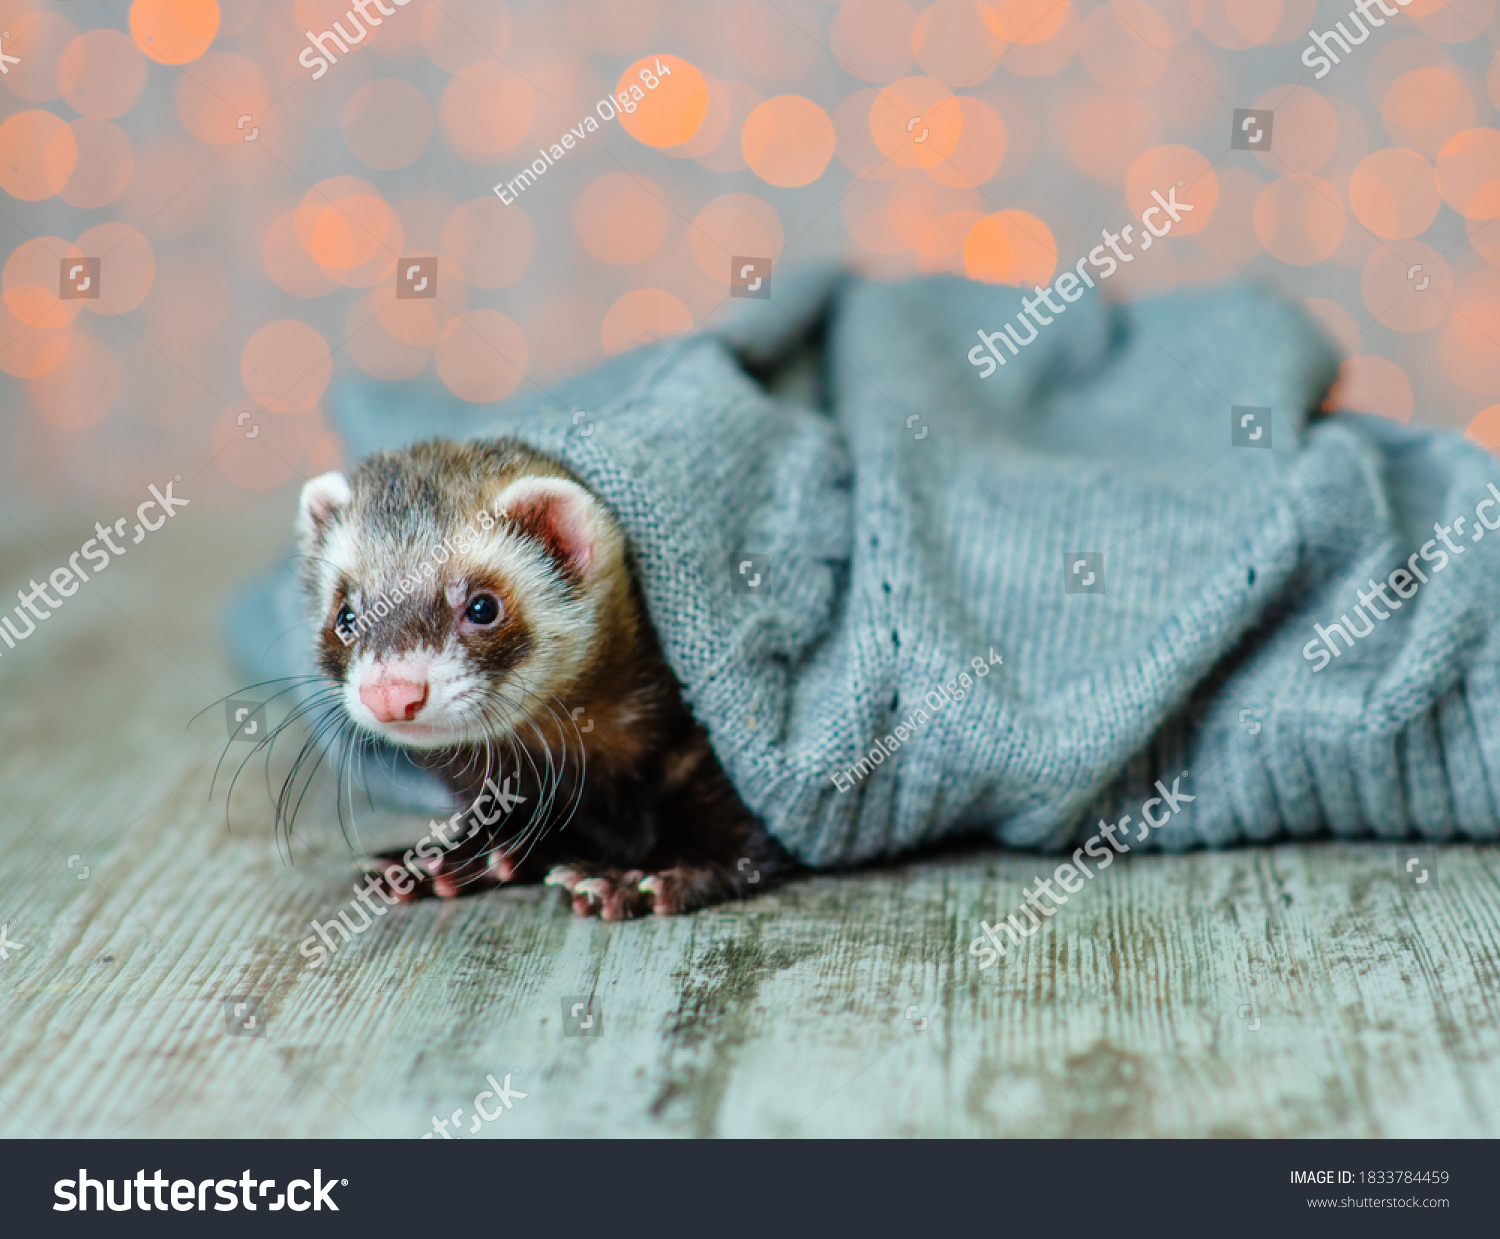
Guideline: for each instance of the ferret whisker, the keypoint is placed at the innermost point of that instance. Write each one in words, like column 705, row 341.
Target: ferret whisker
column 350, row 739
column 582, row 772
column 301, row 682
column 320, row 700
column 331, row 721
column 250, row 688
column 266, row 743
column 309, row 743
column 563, row 761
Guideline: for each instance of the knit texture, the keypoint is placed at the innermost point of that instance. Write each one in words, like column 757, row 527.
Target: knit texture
column 906, row 517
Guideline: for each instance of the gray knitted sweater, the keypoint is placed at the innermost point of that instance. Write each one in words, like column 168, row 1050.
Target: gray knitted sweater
column 838, row 523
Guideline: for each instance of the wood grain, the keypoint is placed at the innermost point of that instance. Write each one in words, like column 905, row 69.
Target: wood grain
column 788, row 1015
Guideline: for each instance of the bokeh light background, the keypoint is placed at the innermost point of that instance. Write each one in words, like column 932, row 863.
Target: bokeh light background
column 247, row 265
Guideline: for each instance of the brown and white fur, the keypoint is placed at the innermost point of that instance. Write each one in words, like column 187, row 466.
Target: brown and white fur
column 527, row 654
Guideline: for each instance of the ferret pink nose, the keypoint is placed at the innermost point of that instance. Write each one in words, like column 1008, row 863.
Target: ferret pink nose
column 394, row 701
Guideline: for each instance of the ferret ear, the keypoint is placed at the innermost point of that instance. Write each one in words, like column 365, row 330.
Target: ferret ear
column 562, row 516
column 321, row 500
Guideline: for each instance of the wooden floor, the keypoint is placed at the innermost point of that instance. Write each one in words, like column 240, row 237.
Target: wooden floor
column 1295, row 991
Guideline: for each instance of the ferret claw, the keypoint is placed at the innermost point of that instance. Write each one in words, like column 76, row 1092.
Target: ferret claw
column 562, row 875
column 594, row 888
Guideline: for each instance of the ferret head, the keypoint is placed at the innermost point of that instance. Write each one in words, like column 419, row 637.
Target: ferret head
column 458, row 588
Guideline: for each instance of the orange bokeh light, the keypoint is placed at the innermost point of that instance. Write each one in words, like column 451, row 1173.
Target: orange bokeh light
column 955, row 43
column 487, row 243
column 101, row 74
column 81, row 391
column 1470, row 342
column 1163, row 169
column 1300, row 219
column 1101, row 133
column 37, row 155
column 734, row 226
column 1237, row 24
column 174, row 31
column 32, row 284
column 1010, row 247
column 460, row 33
column 213, row 94
column 286, row 366
column 1123, row 45
column 127, row 266
column 620, row 218
column 1468, row 171
column 289, row 265
column 980, row 149
column 1049, row 56
column 1484, row 236
column 36, row 41
column 481, row 356
column 643, row 317
column 1394, row 192
column 372, row 345
column 916, row 122
column 669, row 113
column 1407, row 286
column 1484, row 429
column 105, row 162
column 1307, row 129
column 788, row 141
column 27, row 351
column 1425, row 107
column 872, row 38
column 343, row 222
column 1025, row 21
column 486, row 110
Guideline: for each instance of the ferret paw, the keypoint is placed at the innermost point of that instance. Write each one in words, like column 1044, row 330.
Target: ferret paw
column 675, row 891
column 441, row 877
column 618, row 895
column 612, row 894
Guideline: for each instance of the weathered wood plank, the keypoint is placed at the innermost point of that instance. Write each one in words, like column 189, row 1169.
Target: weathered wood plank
column 790, row 1015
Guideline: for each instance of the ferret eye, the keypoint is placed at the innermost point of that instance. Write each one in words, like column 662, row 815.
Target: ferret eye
column 346, row 618
column 483, row 610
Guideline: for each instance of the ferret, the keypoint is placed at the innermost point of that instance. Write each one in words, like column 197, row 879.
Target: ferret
column 475, row 603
